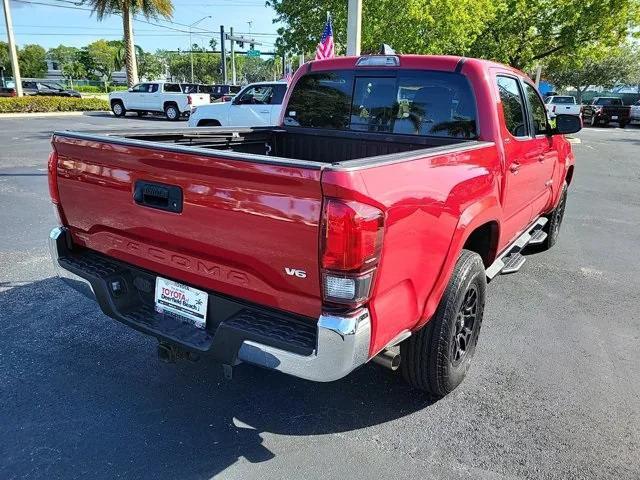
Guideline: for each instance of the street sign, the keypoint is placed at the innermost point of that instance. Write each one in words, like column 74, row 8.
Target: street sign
column 253, row 53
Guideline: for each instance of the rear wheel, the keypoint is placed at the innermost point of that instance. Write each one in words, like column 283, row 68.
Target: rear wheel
column 171, row 112
column 118, row 109
column 436, row 359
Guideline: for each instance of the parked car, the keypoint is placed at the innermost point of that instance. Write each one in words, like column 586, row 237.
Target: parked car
column 49, row 89
column 156, row 97
column 634, row 113
column 562, row 104
column 603, row 110
column 256, row 105
column 8, row 92
column 356, row 230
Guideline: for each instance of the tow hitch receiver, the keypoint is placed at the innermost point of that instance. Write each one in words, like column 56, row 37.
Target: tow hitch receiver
column 169, row 353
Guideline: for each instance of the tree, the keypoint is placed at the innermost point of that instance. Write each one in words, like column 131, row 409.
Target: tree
column 207, row 66
column 32, row 61
column 150, row 66
column 100, row 57
column 418, row 26
column 522, row 33
column 4, row 57
column 127, row 8
column 63, row 54
column 593, row 65
column 73, row 69
column 517, row 32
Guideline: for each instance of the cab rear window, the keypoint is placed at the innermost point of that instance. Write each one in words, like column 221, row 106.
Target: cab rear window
column 427, row 103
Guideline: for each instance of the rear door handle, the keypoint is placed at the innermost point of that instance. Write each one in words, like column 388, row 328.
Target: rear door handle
column 541, row 158
column 514, row 167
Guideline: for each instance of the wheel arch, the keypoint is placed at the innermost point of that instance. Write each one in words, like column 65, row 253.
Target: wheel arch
column 479, row 218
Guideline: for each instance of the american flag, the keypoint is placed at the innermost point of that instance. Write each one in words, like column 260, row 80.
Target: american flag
column 325, row 48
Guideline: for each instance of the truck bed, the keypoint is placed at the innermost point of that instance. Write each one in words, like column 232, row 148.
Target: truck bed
column 280, row 145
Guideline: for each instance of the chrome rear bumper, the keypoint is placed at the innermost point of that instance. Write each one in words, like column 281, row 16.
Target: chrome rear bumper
column 343, row 345
column 342, row 340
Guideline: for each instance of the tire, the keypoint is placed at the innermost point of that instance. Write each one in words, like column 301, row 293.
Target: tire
column 555, row 220
column 436, row 359
column 171, row 112
column 622, row 124
column 118, row 109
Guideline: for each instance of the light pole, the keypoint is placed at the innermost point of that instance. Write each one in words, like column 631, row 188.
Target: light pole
column 354, row 27
column 12, row 48
column 191, row 42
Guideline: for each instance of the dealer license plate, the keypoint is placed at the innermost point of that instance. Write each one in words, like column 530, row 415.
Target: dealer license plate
column 614, row 117
column 180, row 300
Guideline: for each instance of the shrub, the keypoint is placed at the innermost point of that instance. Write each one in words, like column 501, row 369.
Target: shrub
column 50, row 104
column 98, row 89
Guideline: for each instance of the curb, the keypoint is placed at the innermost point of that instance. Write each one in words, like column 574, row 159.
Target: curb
column 52, row 114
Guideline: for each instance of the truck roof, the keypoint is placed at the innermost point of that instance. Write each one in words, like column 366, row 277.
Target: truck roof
column 410, row 61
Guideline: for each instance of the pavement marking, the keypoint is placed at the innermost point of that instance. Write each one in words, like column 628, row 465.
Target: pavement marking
column 574, row 140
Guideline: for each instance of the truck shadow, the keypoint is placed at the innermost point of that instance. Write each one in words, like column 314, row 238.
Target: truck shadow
column 86, row 397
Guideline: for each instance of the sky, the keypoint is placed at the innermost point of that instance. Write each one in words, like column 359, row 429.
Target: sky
column 53, row 22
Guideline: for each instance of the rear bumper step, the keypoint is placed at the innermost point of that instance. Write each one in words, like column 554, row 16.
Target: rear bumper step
column 236, row 331
column 511, row 260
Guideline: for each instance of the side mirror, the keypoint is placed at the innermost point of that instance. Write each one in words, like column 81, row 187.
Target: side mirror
column 130, row 89
column 566, row 124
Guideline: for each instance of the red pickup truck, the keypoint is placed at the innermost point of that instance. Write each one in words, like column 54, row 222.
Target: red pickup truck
column 364, row 227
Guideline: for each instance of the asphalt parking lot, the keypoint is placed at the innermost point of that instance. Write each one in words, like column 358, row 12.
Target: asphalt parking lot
column 554, row 391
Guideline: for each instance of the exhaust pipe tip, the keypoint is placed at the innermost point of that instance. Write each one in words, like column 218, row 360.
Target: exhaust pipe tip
column 389, row 359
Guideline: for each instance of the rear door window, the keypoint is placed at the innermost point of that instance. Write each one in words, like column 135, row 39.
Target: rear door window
column 172, row 88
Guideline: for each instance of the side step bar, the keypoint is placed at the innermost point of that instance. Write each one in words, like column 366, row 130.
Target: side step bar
column 511, row 260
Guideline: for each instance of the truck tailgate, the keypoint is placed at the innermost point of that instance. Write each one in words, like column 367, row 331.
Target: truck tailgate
column 246, row 230
column 199, row 99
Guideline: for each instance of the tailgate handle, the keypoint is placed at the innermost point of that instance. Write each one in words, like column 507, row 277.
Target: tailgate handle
column 158, row 195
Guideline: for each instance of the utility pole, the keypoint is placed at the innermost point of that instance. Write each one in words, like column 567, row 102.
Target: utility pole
column 223, row 54
column 354, row 27
column 191, row 42
column 538, row 74
column 12, row 48
column 233, row 58
column 241, row 41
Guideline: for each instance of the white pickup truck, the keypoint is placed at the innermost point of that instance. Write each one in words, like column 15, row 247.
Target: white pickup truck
column 258, row 104
column 156, row 97
column 635, row 112
column 565, row 104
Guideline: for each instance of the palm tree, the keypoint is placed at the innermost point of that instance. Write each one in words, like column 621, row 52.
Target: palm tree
column 127, row 8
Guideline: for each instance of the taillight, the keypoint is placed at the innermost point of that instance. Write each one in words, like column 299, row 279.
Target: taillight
column 52, row 167
column 350, row 250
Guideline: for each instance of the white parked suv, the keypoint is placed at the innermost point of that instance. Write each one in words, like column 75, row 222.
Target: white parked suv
column 258, row 104
column 156, row 97
column 565, row 104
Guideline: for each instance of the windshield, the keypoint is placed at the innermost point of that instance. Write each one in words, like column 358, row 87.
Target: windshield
column 391, row 101
column 608, row 101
